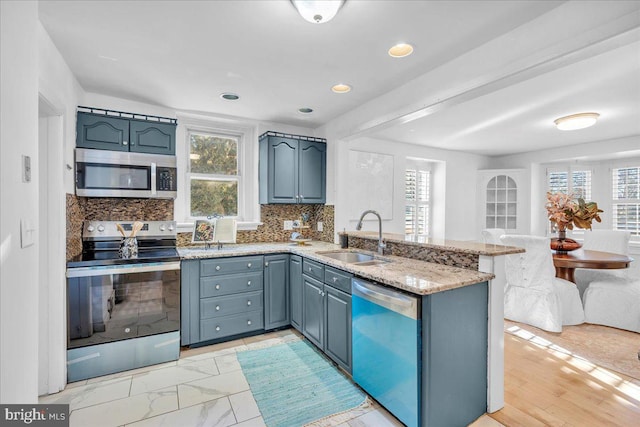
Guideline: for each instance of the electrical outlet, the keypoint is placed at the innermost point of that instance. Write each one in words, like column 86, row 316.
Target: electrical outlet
column 320, row 227
column 288, row 225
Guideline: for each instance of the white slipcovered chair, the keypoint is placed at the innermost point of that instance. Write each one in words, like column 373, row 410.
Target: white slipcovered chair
column 615, row 241
column 533, row 295
column 492, row 235
column 610, row 297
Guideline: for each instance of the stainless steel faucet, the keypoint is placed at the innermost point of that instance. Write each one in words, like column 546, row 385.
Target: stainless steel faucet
column 381, row 244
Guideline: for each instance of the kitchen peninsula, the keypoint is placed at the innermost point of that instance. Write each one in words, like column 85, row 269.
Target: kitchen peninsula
column 456, row 290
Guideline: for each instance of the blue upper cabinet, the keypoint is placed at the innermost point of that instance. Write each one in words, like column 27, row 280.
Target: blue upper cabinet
column 149, row 137
column 292, row 169
column 121, row 132
column 102, row 133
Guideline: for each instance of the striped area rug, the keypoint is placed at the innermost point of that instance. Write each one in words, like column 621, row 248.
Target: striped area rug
column 293, row 384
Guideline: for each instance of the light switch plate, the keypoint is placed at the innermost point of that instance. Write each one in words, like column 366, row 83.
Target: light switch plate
column 27, row 233
column 320, row 226
column 288, row 225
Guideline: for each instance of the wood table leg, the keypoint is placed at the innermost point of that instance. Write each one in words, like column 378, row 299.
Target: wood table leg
column 566, row 273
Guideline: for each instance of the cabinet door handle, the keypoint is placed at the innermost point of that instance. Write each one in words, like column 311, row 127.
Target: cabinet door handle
column 217, row 308
column 217, row 328
column 266, row 264
column 248, row 302
column 217, row 268
column 249, row 283
column 249, row 265
column 125, row 143
column 248, row 322
column 217, row 286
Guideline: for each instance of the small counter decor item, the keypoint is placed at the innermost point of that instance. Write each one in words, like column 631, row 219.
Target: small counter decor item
column 565, row 211
column 203, row 231
column 129, row 245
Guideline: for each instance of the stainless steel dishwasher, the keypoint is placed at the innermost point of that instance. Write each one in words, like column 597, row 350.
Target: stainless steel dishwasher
column 386, row 347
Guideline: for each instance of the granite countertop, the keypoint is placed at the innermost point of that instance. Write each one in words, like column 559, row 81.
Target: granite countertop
column 418, row 277
column 466, row 247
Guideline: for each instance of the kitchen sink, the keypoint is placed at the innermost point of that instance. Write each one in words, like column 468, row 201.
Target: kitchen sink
column 351, row 257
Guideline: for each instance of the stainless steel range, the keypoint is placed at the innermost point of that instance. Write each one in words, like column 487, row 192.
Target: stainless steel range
column 123, row 313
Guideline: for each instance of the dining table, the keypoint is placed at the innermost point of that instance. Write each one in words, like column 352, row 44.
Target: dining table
column 566, row 263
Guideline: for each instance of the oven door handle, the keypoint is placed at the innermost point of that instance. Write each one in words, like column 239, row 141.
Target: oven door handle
column 122, row 269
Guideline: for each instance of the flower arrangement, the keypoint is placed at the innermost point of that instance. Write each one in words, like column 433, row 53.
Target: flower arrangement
column 565, row 211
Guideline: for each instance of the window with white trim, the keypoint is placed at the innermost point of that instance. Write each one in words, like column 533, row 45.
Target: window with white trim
column 570, row 180
column 579, row 184
column 214, row 179
column 626, row 200
column 418, row 198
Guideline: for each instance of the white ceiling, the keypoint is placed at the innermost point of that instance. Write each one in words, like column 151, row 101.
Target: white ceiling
column 183, row 54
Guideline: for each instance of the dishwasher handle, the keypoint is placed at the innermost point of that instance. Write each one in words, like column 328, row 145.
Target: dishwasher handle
column 395, row 301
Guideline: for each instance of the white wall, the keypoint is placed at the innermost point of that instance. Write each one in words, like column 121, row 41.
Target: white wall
column 59, row 94
column 18, row 137
column 454, row 181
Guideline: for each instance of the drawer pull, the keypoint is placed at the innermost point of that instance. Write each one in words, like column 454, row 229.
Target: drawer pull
column 335, row 279
column 217, row 328
column 248, row 302
column 249, row 265
column 310, row 269
column 249, row 283
column 248, row 322
column 217, row 307
column 217, row 268
column 217, row 286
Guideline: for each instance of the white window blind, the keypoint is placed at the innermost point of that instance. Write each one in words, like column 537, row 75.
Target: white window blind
column 417, row 195
column 626, row 200
column 579, row 185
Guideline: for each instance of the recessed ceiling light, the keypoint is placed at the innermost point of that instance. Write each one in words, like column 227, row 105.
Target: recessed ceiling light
column 401, row 50
column 341, row 88
column 229, row 96
column 305, row 110
column 576, row 121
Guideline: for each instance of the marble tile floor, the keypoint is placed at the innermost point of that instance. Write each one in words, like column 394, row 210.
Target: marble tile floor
column 205, row 387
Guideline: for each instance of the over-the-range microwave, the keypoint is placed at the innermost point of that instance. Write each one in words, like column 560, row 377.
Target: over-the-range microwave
column 103, row 173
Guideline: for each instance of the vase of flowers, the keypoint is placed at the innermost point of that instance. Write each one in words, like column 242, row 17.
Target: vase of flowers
column 565, row 211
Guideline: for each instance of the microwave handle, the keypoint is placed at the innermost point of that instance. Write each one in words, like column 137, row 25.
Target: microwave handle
column 153, row 179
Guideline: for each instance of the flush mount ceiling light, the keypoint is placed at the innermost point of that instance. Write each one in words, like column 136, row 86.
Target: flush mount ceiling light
column 229, row 96
column 341, row 88
column 400, row 50
column 318, row 11
column 576, row 121
column 305, row 110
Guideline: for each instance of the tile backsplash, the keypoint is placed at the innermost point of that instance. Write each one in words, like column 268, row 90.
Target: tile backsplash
column 80, row 209
column 272, row 228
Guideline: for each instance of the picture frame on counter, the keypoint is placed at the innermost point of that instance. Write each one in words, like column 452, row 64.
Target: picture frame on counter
column 203, row 231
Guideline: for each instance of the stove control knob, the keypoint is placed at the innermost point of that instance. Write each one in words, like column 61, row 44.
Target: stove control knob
column 171, row 227
column 162, row 227
column 90, row 228
column 101, row 228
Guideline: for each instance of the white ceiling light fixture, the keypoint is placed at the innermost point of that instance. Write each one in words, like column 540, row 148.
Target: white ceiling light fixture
column 318, row 11
column 576, row 121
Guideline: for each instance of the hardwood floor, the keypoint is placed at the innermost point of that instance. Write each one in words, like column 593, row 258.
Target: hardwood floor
column 545, row 387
